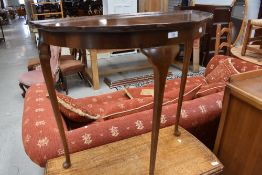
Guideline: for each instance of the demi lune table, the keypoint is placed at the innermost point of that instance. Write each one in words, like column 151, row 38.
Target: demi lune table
column 155, row 33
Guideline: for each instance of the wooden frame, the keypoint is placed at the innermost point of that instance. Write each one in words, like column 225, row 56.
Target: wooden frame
column 219, row 33
column 247, row 38
column 243, row 25
column 34, row 15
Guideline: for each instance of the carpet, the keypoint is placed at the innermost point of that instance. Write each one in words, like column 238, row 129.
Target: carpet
column 143, row 77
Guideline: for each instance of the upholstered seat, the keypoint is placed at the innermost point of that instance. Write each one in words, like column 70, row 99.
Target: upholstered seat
column 34, row 62
column 27, row 79
column 31, row 77
column 73, row 66
column 70, row 66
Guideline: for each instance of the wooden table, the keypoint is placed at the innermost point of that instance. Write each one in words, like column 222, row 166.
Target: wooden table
column 249, row 57
column 239, row 139
column 154, row 33
column 176, row 156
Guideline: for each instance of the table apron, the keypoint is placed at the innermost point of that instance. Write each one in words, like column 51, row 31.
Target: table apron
column 122, row 40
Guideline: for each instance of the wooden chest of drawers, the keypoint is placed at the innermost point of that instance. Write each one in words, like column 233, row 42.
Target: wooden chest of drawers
column 239, row 139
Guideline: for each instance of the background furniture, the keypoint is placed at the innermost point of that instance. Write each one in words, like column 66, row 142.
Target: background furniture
column 153, row 5
column 239, row 139
column 126, row 31
column 111, row 7
column 47, row 9
column 251, row 25
column 249, row 56
column 2, row 32
column 234, row 11
column 21, row 11
column 73, row 66
column 227, row 32
column 187, row 153
column 222, row 15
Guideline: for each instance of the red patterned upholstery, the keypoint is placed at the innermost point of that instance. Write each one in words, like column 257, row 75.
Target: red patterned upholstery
column 240, row 65
column 41, row 139
column 222, row 72
column 84, row 109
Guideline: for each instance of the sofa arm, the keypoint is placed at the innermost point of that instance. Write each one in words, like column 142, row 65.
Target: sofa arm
column 39, row 129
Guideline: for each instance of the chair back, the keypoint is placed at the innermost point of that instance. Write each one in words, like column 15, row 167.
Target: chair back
column 220, row 32
column 54, row 61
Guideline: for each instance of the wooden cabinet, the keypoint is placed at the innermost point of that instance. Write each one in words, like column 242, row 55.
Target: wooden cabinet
column 153, row 5
column 45, row 9
column 239, row 139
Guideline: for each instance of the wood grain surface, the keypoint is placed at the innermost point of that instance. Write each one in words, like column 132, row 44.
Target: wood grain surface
column 126, row 22
column 176, row 155
column 238, row 143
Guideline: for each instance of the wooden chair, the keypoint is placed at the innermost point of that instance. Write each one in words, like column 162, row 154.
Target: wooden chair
column 219, row 33
column 252, row 24
column 73, row 66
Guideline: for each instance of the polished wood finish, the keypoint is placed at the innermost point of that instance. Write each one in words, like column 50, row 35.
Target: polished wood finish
column 145, row 30
column 249, row 56
column 239, row 138
column 179, row 156
column 160, row 67
column 153, row 5
column 219, row 33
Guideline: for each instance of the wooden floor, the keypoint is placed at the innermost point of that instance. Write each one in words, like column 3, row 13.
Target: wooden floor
column 176, row 155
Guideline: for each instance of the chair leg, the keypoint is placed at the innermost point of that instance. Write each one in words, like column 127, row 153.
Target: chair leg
column 22, row 86
column 80, row 75
column 64, row 83
column 85, row 77
column 246, row 38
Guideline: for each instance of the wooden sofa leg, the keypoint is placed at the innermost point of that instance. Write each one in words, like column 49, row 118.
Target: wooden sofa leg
column 21, row 85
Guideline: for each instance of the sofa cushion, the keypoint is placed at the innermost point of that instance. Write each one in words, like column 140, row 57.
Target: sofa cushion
column 209, row 89
column 84, row 109
column 222, row 72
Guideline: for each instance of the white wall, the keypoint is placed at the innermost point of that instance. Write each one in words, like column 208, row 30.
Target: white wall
column 214, row 2
column 253, row 8
column 11, row 3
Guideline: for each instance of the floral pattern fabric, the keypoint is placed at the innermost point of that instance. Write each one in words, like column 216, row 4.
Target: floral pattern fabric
column 41, row 136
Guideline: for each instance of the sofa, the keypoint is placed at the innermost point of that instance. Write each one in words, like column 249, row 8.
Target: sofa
column 200, row 116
